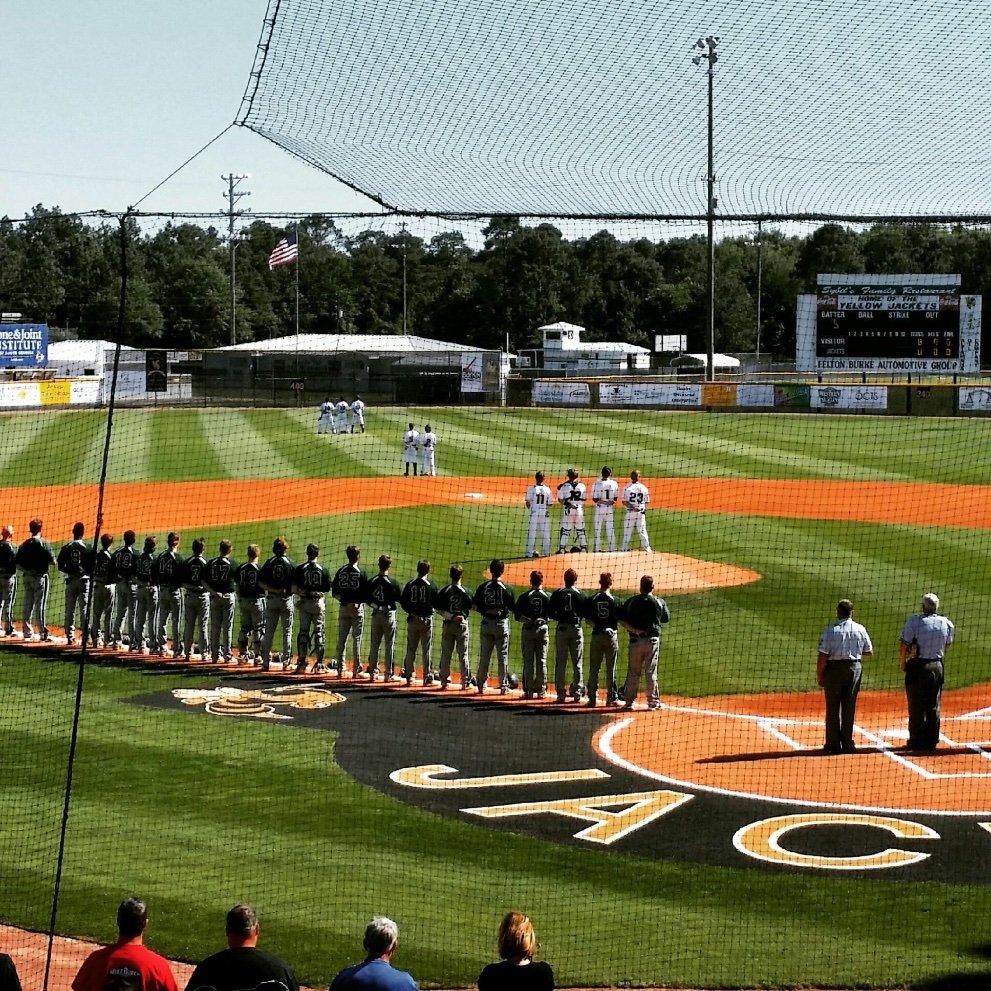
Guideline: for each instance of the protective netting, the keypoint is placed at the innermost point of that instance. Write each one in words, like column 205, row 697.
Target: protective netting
column 591, row 108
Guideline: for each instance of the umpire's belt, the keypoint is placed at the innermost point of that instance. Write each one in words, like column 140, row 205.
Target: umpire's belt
column 926, row 660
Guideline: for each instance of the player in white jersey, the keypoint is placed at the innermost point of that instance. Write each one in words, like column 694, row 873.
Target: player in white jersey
column 428, row 452
column 357, row 414
column 635, row 499
column 325, row 422
column 411, row 440
column 571, row 494
column 341, row 427
column 605, row 493
column 538, row 503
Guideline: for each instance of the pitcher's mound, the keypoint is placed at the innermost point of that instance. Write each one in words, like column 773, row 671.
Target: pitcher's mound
column 672, row 573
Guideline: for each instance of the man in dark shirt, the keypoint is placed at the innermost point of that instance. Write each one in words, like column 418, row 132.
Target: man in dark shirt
column 168, row 578
column 417, row 601
column 312, row 583
column 104, row 579
column 453, row 602
column 195, row 602
column 602, row 611
column 567, row 607
column 383, row 597
column 242, row 965
column 8, row 580
column 75, row 561
column 219, row 578
column 276, row 578
column 125, row 593
column 494, row 600
column 251, row 608
column 349, row 587
column 146, row 609
column 643, row 615
column 34, row 558
column 532, row 609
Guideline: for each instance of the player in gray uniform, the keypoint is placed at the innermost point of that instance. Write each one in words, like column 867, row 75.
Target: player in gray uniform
column 349, row 588
column 8, row 580
column 643, row 616
column 34, row 557
column 494, row 600
column 312, row 583
column 103, row 592
column 453, row 602
column 125, row 591
column 924, row 641
column 146, row 608
column 532, row 609
column 75, row 561
column 567, row 606
column 250, row 607
column 417, row 601
column 195, row 602
column 602, row 611
column 219, row 578
column 275, row 577
column 571, row 494
column 383, row 597
column 168, row 577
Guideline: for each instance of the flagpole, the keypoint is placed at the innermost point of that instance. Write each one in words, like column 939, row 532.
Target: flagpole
column 298, row 253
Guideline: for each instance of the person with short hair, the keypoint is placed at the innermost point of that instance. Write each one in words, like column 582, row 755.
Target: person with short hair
column 605, row 492
column 636, row 497
column 494, row 600
column 411, row 441
column 125, row 559
column 312, row 583
column 275, row 577
column 146, row 599
column 453, row 602
column 567, row 606
column 375, row 972
column 219, row 578
column 250, row 607
column 538, row 504
column 602, row 611
column 341, row 408
column 8, row 580
column 168, row 577
column 242, row 965
column 75, row 561
column 383, row 598
column 34, row 557
column 532, row 610
column 842, row 648
column 517, row 970
column 428, row 452
column 571, row 494
column 128, row 963
column 195, row 602
column 358, row 414
column 417, row 600
column 643, row 615
column 925, row 639
column 104, row 579
column 9, row 981
column 350, row 587
column 325, row 418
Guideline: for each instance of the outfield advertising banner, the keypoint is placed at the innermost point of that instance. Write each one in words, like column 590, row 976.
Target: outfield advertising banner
column 23, row 345
column 849, row 397
column 557, row 392
column 718, row 394
column 793, row 396
column 650, row 394
column 754, row 395
column 472, row 372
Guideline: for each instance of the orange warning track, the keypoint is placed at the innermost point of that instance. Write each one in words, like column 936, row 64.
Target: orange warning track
column 147, row 506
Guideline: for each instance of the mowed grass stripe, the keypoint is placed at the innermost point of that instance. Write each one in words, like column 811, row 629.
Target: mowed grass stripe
column 245, row 452
column 46, row 448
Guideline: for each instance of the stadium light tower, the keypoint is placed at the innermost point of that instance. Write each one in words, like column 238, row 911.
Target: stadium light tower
column 707, row 53
column 232, row 195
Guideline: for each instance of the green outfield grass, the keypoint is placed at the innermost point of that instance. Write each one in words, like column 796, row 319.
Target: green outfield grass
column 197, row 813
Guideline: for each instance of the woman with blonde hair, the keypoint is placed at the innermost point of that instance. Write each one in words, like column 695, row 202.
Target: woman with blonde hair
column 517, row 971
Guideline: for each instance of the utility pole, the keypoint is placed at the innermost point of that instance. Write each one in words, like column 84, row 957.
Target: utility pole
column 404, row 277
column 708, row 54
column 232, row 195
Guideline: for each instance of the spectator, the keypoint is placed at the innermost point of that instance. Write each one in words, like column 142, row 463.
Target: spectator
column 128, row 963
column 376, row 972
column 242, row 964
column 517, row 971
column 9, row 981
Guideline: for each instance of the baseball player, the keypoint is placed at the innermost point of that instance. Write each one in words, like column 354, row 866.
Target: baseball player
column 635, row 499
column 571, row 494
column 417, row 601
column 602, row 611
column 312, row 583
column 250, row 606
column 195, row 601
column 168, row 577
column 411, row 440
column 605, row 493
column 357, row 414
column 532, row 611
column 75, row 561
column 325, row 421
column 275, row 577
column 34, row 557
column 219, row 578
column 125, row 591
column 103, row 592
column 494, row 600
column 146, row 600
column 643, row 616
column 8, row 580
column 342, row 409
column 453, row 602
column 428, row 452
column 349, row 587
column 383, row 597
column 538, row 504
column 567, row 606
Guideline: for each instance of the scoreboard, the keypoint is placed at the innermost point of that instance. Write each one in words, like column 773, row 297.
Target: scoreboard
column 888, row 327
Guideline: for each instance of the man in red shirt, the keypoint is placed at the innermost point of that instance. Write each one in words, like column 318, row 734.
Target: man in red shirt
column 127, row 965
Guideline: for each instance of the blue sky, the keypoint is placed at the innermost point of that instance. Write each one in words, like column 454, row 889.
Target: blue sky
column 104, row 98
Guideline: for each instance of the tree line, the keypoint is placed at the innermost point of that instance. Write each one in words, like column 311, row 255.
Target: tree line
column 57, row 269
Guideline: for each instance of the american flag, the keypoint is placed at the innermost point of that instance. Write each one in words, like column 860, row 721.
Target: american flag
column 285, row 252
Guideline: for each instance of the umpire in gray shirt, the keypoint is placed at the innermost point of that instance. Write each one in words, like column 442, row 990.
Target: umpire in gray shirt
column 924, row 640
column 842, row 647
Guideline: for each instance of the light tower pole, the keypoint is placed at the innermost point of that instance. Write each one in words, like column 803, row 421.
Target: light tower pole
column 707, row 47
column 232, row 195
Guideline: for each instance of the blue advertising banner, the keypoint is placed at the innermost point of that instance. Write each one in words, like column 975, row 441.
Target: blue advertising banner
column 23, row 345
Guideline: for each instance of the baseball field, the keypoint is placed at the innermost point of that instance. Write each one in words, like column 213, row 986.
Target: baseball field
column 707, row 844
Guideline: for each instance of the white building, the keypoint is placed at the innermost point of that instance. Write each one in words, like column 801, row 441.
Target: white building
column 564, row 350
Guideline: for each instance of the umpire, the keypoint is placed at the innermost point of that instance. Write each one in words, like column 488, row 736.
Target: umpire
column 842, row 647
column 925, row 638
